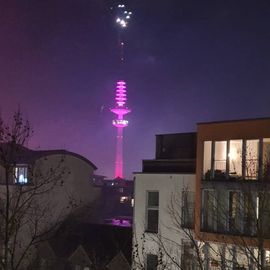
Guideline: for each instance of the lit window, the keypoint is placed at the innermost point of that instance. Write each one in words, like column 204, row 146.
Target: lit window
column 266, row 159
column 123, row 199
column 267, row 257
column 235, row 158
column 21, row 175
column 151, row 262
column 121, row 190
column 152, row 211
column 207, row 159
column 220, row 159
column 252, row 159
column 132, row 202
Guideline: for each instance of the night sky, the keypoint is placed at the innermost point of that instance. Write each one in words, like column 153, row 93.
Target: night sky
column 188, row 61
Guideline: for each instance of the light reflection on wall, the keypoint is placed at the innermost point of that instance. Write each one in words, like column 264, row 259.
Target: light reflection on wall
column 121, row 222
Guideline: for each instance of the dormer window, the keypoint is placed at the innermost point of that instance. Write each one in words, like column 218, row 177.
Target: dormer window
column 21, row 174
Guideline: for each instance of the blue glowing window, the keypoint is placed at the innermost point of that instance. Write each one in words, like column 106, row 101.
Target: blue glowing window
column 21, row 175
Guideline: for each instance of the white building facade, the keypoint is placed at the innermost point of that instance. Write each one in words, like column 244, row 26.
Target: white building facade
column 164, row 205
column 158, row 236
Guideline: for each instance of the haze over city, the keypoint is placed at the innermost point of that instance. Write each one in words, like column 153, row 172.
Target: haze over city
column 187, row 62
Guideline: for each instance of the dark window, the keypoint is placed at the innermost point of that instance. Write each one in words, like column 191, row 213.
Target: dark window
column 209, row 208
column 188, row 257
column 242, row 212
column 152, row 211
column 234, row 211
column 250, row 208
column 151, row 262
column 263, row 212
column 153, row 199
column 187, row 219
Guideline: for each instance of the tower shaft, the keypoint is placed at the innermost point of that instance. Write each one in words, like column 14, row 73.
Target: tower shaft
column 118, row 172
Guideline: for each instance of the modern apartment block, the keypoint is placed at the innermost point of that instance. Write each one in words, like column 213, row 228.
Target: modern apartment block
column 158, row 188
column 230, row 208
column 233, row 186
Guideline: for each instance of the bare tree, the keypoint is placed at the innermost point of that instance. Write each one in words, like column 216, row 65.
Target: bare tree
column 25, row 212
column 241, row 213
column 141, row 255
column 245, row 226
column 183, row 252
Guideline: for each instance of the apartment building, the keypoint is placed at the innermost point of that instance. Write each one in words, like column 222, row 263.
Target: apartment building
column 232, row 187
column 230, row 205
column 38, row 190
column 159, row 188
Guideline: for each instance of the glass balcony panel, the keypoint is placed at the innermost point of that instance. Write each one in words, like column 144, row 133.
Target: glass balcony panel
column 220, row 160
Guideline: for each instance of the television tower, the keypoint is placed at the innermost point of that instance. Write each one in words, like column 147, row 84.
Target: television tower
column 120, row 109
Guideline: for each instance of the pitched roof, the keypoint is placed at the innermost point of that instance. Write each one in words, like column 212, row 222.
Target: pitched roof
column 101, row 238
column 25, row 155
column 118, row 262
column 80, row 256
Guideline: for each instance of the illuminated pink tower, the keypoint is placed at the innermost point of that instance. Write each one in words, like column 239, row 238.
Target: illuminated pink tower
column 120, row 123
column 122, row 18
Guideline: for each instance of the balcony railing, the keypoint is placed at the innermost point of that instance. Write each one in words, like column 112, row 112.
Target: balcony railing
column 244, row 227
